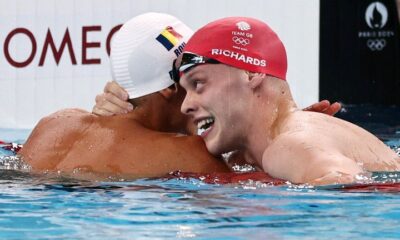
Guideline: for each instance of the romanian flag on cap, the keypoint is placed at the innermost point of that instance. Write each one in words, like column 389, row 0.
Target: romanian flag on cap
column 169, row 38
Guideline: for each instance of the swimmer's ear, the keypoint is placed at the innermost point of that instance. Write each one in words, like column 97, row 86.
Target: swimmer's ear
column 169, row 92
column 255, row 79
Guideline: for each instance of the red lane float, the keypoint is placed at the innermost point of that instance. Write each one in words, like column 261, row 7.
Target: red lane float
column 14, row 147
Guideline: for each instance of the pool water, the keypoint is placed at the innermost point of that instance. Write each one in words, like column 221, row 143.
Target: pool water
column 49, row 206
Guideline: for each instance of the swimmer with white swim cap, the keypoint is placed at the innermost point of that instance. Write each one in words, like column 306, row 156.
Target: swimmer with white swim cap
column 238, row 97
column 144, row 142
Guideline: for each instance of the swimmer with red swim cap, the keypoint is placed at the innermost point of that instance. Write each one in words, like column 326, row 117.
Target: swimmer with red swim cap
column 234, row 73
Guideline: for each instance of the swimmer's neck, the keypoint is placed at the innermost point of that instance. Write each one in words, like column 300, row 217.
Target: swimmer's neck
column 151, row 117
column 269, row 121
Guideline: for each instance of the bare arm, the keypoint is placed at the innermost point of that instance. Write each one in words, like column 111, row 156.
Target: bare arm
column 332, row 177
column 304, row 159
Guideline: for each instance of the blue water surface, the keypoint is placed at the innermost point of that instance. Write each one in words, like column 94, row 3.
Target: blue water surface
column 50, row 206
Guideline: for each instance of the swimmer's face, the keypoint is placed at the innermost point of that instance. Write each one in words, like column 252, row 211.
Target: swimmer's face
column 215, row 102
column 177, row 121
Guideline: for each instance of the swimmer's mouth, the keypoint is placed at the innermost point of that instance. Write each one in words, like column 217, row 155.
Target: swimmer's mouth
column 204, row 126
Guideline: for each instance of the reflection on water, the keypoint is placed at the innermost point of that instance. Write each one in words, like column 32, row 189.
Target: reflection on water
column 57, row 207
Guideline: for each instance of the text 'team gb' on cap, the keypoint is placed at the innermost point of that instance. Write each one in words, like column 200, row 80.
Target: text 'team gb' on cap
column 242, row 42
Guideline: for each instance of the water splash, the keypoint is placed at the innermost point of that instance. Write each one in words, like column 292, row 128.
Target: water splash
column 13, row 163
column 243, row 168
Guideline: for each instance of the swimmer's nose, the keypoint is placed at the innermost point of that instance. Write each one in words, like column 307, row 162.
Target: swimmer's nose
column 188, row 105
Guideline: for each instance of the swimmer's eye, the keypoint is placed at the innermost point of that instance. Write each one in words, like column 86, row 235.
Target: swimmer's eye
column 197, row 84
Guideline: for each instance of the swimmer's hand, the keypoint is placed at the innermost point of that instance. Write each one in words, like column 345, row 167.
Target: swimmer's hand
column 324, row 107
column 114, row 100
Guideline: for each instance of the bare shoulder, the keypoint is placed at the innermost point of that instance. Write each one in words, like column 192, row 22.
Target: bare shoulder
column 68, row 114
column 62, row 122
column 291, row 143
column 53, row 129
column 300, row 158
column 285, row 157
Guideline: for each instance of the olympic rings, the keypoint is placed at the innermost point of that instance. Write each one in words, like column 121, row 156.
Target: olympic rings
column 242, row 41
column 376, row 44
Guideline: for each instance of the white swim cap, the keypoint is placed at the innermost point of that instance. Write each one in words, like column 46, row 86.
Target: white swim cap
column 143, row 50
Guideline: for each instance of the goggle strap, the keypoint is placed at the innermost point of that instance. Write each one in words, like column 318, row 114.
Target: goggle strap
column 174, row 73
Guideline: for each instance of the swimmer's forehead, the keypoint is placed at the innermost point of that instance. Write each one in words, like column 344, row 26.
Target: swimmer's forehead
column 204, row 70
column 198, row 70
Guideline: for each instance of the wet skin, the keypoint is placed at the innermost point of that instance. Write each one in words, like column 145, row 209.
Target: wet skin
column 256, row 114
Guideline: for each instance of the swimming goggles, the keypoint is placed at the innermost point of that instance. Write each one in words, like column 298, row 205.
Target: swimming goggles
column 190, row 60
column 174, row 73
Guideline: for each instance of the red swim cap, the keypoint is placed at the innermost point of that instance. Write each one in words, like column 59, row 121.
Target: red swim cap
column 241, row 42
